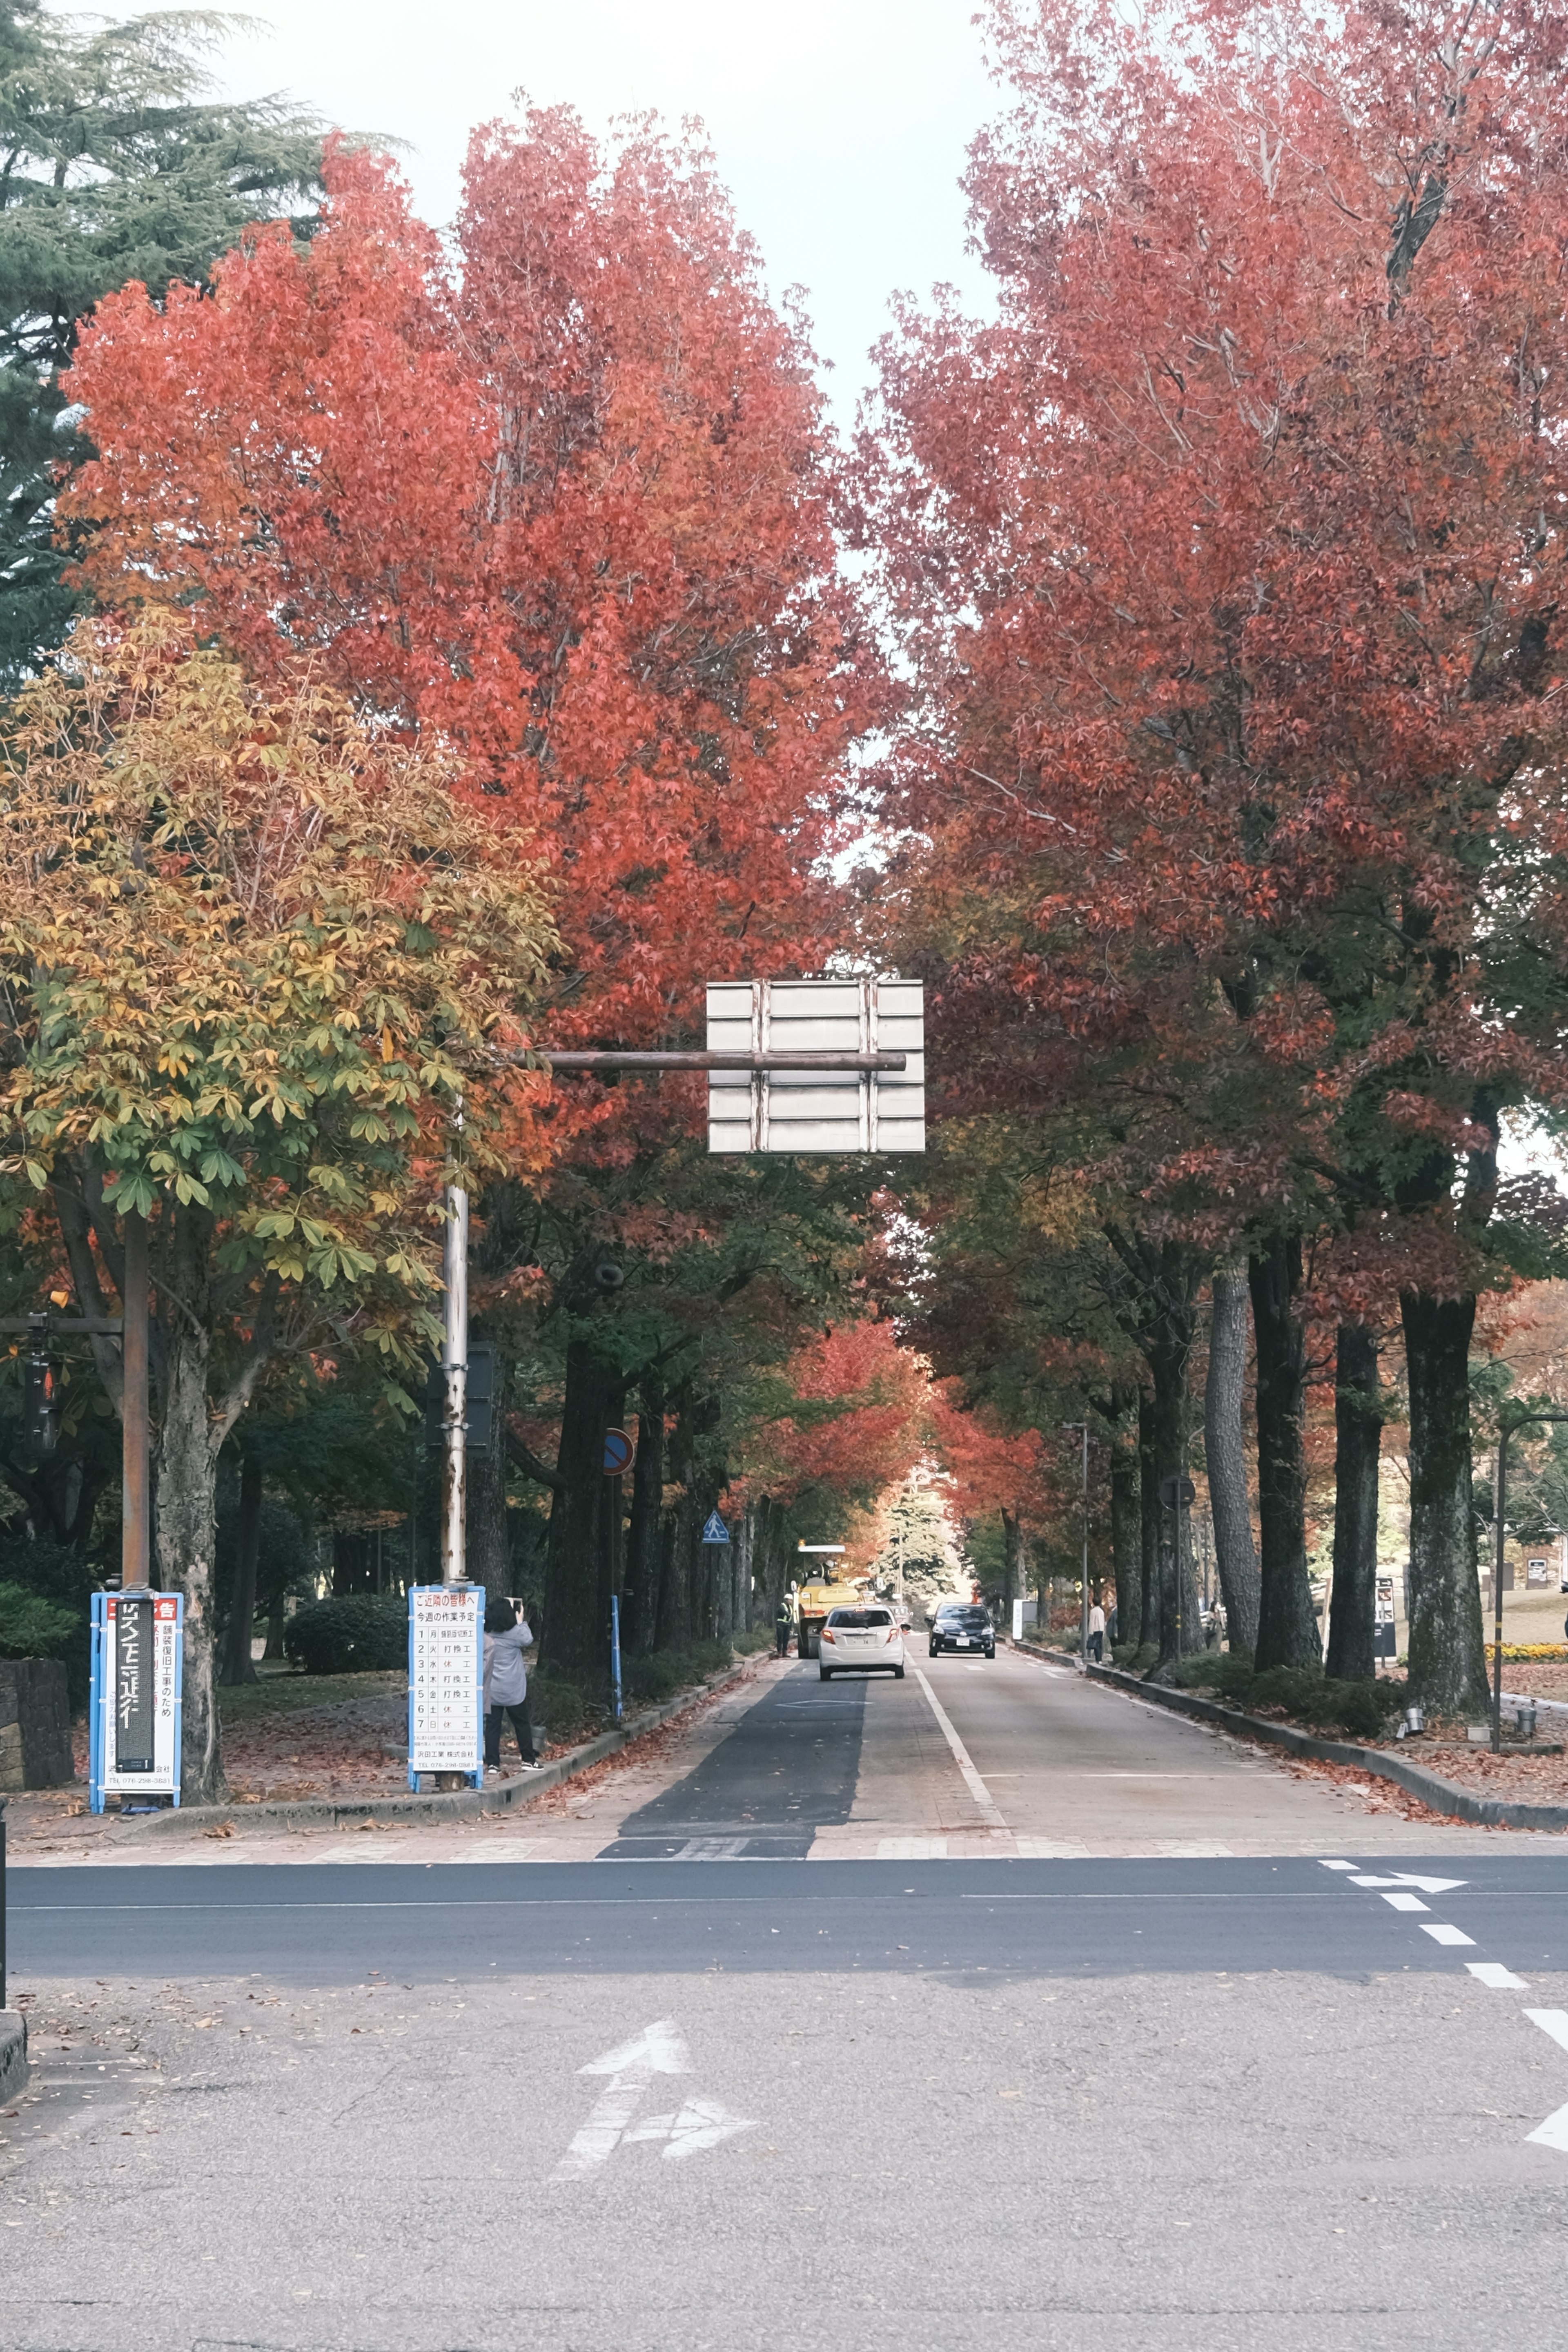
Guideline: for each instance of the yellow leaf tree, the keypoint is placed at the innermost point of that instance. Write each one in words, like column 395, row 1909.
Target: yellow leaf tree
column 252, row 956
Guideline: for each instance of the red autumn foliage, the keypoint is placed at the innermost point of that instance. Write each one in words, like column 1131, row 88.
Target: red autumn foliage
column 1228, row 560
column 861, row 1420
column 566, row 505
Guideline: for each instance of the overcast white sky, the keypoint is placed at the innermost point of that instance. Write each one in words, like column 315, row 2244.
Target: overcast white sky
column 840, row 125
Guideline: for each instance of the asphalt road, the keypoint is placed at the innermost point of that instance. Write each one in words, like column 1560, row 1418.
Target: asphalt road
column 701, row 2091
column 304, row 1925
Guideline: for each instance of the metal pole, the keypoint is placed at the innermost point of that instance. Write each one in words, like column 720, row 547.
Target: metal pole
column 616, row 1649
column 135, row 1547
column 1497, row 1525
column 1083, row 1611
column 455, row 1370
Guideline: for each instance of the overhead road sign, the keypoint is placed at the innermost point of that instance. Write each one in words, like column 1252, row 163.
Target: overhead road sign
column 762, row 1104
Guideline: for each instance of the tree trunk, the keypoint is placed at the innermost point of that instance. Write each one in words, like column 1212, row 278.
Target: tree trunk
column 237, row 1665
column 1179, row 1632
column 574, row 1641
column 486, row 1540
column 1358, row 1440
column 675, row 1594
column 1009, row 1559
column 1148, row 1526
column 1286, row 1629
column 1447, row 1655
column 184, row 1520
column 1125, row 1546
column 1226, row 1457
column 643, row 1546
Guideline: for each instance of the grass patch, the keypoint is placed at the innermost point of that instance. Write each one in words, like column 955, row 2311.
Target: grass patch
column 285, row 1694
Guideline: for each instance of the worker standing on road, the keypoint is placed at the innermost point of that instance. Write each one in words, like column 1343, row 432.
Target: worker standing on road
column 1097, row 1633
column 784, row 1624
column 507, row 1635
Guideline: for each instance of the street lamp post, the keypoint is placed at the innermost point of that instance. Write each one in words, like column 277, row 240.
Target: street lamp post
column 1524, row 1421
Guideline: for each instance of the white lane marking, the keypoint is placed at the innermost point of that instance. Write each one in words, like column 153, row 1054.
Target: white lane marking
column 1414, row 1878
column 1404, row 1902
column 912, row 1849
column 984, row 1801
column 631, row 2066
column 1334, row 1865
column 1441, row 1935
column 1554, row 2132
column 1500, row 1979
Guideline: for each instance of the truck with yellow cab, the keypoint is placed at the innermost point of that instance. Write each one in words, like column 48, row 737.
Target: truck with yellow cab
column 825, row 1583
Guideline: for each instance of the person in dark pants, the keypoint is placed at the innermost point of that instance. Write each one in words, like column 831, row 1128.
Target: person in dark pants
column 507, row 1635
column 783, row 1625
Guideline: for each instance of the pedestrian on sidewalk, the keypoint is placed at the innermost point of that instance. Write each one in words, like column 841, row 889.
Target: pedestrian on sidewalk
column 507, row 1635
column 784, row 1624
column 1097, row 1633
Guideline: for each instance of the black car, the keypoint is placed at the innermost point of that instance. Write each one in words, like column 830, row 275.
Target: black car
column 959, row 1627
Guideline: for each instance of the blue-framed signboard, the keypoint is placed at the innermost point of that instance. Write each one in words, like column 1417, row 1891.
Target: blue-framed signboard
column 445, row 1681
column 133, row 1709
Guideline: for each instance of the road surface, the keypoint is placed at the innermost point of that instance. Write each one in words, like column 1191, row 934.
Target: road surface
column 1026, row 2018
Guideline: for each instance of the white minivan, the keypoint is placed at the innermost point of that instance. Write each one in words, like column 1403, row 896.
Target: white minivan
column 867, row 1640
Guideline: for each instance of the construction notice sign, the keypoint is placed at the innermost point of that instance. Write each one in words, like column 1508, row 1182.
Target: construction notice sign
column 138, row 1653
column 445, row 1673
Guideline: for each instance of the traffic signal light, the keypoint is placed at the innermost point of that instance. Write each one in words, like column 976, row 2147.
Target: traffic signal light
column 41, row 1404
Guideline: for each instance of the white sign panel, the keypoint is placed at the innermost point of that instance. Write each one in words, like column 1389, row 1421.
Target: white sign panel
column 138, row 1695
column 446, row 1668
column 818, row 1110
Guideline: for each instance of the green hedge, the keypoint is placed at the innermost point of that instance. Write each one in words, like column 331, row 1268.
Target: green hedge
column 356, row 1633
column 1304, row 1692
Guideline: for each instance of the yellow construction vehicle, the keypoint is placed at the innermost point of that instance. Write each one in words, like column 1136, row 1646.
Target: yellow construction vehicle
column 828, row 1586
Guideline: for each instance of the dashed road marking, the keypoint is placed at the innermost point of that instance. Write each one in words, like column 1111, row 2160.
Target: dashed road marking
column 1494, row 1974
column 1403, row 1902
column 1445, row 1935
column 1554, row 2132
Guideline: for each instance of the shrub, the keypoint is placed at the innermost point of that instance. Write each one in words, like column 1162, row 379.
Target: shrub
column 761, row 1637
column 1304, row 1692
column 660, row 1673
column 355, row 1633
column 32, row 1627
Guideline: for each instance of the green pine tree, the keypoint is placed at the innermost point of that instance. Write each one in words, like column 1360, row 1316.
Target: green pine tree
column 116, row 163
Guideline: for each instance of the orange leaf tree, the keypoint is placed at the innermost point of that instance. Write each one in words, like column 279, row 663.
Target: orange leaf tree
column 1228, row 561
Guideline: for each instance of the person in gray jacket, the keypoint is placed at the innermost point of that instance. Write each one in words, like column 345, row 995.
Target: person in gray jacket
column 507, row 1635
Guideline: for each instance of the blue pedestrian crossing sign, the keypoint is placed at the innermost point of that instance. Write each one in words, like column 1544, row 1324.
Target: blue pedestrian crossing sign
column 715, row 1530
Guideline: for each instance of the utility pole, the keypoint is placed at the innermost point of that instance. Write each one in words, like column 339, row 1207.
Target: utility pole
column 135, row 1420
column 455, row 1378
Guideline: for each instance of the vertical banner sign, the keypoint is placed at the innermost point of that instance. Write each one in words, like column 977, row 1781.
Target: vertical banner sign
column 138, row 1657
column 1383, row 1642
column 446, row 1677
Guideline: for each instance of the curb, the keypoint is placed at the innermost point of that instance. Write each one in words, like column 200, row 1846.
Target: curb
column 1442, row 1796
column 328, row 1813
column 12, row 2053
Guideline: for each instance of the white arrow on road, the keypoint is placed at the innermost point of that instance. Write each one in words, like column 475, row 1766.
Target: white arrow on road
column 1554, row 2132
column 1412, row 1879
column 631, row 2066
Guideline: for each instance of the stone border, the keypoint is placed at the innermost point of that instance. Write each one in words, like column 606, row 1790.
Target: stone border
column 331, row 1813
column 13, row 2055
column 1441, row 1796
